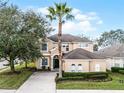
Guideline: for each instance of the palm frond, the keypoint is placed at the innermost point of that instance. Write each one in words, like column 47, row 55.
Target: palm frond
column 60, row 11
column 69, row 17
column 63, row 7
column 51, row 10
column 51, row 17
column 68, row 10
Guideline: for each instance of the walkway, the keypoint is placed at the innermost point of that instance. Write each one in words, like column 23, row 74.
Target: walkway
column 39, row 82
column 90, row 91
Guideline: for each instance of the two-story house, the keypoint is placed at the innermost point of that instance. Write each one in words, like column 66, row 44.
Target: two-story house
column 77, row 54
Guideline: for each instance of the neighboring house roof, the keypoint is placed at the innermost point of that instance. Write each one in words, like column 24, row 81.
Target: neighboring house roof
column 80, row 53
column 112, row 51
column 69, row 38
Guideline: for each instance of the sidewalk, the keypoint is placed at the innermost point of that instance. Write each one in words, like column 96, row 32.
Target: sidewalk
column 7, row 91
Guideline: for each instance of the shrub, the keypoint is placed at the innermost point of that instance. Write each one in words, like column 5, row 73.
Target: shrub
column 43, row 67
column 49, row 69
column 89, row 75
column 116, row 69
column 69, row 78
column 121, row 71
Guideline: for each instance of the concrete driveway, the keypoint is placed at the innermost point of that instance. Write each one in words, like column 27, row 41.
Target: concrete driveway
column 90, row 91
column 39, row 82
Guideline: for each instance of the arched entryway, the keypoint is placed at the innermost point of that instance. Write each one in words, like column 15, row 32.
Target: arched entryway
column 56, row 62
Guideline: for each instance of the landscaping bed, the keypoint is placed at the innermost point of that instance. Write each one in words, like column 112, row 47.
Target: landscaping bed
column 117, row 83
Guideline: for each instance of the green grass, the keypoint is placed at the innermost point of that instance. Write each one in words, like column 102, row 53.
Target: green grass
column 3, row 68
column 10, row 80
column 114, row 84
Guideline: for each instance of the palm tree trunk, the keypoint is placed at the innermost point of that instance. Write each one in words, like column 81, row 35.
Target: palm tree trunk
column 59, row 47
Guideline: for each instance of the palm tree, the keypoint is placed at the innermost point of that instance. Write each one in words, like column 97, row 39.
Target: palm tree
column 60, row 12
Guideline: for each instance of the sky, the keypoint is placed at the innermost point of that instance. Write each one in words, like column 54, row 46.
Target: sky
column 92, row 17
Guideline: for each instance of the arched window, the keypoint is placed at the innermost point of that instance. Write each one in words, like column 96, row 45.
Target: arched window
column 80, row 68
column 73, row 68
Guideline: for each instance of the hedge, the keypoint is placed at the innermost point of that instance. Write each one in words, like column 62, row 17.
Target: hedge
column 69, row 78
column 121, row 71
column 116, row 69
column 89, row 75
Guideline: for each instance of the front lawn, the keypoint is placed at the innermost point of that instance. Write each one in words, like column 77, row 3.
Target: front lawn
column 115, row 84
column 10, row 80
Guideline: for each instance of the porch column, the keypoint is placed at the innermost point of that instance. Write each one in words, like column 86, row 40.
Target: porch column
column 51, row 62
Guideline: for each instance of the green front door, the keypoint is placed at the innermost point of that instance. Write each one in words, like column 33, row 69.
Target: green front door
column 55, row 63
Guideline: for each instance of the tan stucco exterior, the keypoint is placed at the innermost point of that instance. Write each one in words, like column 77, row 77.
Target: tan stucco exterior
column 68, row 62
column 88, row 65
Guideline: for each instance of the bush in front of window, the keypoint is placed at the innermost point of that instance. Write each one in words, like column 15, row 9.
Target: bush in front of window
column 89, row 76
column 116, row 69
column 43, row 67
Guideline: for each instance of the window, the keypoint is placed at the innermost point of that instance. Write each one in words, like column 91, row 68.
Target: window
column 82, row 45
column 79, row 67
column 73, row 68
column 79, row 64
column 67, row 48
column 117, row 65
column 44, row 47
column 44, row 62
column 73, row 65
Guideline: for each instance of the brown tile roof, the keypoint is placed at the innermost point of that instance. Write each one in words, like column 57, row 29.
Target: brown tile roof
column 80, row 53
column 112, row 51
column 69, row 38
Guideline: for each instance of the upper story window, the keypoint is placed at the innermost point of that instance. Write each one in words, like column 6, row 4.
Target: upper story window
column 65, row 47
column 44, row 47
column 83, row 45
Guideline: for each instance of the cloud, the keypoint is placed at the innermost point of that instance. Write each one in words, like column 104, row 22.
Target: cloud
column 84, row 21
column 42, row 10
column 100, row 22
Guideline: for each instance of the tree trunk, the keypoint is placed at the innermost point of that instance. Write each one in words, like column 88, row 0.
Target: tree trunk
column 59, row 47
column 26, row 66
column 12, row 67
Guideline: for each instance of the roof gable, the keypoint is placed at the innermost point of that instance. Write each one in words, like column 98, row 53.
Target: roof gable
column 112, row 51
column 80, row 53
